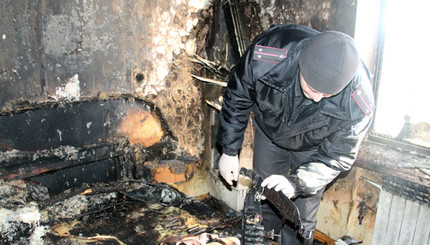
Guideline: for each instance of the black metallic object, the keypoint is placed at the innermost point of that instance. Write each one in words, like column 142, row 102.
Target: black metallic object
column 253, row 233
column 252, row 229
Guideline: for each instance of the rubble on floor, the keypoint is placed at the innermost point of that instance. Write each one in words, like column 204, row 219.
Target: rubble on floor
column 127, row 212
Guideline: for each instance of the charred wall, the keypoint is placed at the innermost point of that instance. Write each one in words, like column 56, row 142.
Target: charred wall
column 55, row 51
column 321, row 15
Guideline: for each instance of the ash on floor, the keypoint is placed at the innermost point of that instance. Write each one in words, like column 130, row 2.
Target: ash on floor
column 112, row 213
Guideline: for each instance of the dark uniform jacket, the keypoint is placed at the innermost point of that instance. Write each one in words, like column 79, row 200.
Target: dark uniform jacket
column 323, row 137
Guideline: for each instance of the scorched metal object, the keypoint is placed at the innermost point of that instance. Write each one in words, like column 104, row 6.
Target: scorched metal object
column 252, row 209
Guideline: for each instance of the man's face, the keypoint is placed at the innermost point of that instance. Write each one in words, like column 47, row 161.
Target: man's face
column 311, row 93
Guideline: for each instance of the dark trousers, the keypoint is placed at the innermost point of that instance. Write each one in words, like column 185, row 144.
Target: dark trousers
column 270, row 159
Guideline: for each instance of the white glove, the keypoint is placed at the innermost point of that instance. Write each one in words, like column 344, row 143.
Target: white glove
column 229, row 168
column 281, row 183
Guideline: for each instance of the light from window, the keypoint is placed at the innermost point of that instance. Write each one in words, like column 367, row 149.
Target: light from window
column 403, row 105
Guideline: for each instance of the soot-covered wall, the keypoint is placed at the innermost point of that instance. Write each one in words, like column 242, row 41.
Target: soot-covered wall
column 54, row 51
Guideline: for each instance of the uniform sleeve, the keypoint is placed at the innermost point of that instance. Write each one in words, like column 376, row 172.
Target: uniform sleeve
column 336, row 154
column 237, row 104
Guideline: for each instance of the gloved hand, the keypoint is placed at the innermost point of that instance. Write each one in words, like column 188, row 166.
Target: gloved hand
column 281, row 183
column 229, row 168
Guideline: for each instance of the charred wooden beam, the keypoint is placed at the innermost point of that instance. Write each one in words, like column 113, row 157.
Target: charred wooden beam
column 212, row 81
column 214, row 104
column 219, row 71
column 27, row 164
column 321, row 237
column 389, row 160
column 237, row 28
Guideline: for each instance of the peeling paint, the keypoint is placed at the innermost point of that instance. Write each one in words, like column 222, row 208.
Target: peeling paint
column 63, row 152
column 199, row 4
column 190, row 47
column 4, row 156
column 167, row 34
column 71, row 90
column 60, row 135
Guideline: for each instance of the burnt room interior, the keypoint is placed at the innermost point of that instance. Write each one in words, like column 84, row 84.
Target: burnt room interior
column 109, row 111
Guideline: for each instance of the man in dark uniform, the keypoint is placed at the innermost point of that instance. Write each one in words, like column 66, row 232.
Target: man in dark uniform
column 313, row 104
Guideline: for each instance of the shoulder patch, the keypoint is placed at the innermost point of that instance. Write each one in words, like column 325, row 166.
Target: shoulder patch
column 269, row 54
column 363, row 101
